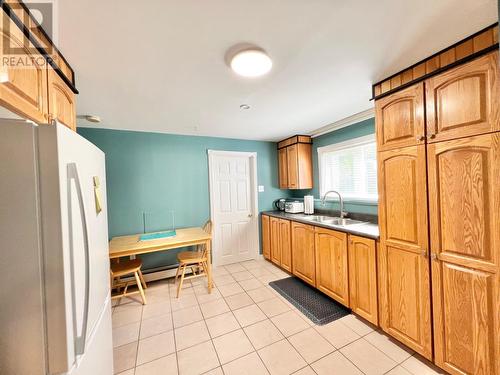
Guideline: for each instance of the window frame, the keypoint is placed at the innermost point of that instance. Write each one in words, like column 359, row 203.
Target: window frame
column 351, row 143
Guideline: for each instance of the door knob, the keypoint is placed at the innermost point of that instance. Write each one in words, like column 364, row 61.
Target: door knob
column 250, row 215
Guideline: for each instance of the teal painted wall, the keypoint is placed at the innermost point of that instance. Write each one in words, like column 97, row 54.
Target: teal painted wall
column 156, row 173
column 353, row 131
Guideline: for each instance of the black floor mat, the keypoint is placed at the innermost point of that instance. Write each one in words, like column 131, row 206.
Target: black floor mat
column 319, row 308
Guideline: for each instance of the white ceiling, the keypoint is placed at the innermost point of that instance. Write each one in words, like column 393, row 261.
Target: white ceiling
column 158, row 65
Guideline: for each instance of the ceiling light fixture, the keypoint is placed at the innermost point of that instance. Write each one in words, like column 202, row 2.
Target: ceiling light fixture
column 252, row 62
column 90, row 118
column 244, row 106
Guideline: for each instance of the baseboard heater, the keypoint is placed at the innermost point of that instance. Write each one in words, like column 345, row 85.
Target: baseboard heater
column 158, row 273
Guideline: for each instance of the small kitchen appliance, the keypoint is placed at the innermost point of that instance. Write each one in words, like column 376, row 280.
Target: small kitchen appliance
column 279, row 204
column 294, row 207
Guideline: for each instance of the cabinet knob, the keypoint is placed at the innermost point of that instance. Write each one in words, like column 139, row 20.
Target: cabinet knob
column 421, row 138
column 424, row 253
column 433, row 256
column 432, row 136
column 250, row 215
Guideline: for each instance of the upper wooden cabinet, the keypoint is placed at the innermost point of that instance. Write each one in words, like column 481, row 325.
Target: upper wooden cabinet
column 266, row 237
column 363, row 298
column 464, row 101
column 331, row 264
column 303, row 254
column 400, row 118
column 62, row 101
column 23, row 89
column 295, row 163
column 35, row 85
column 404, row 279
column 283, row 168
column 464, row 198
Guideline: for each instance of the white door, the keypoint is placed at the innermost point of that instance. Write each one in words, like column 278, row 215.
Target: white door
column 233, row 202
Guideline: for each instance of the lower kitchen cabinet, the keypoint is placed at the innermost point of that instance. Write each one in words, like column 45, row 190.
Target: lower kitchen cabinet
column 266, row 237
column 363, row 278
column 332, row 264
column 285, row 245
column 280, row 243
column 303, row 254
column 274, row 241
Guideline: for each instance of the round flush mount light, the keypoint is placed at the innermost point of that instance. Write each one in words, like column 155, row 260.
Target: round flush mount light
column 244, row 106
column 252, row 62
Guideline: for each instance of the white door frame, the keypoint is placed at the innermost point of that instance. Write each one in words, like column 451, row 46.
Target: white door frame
column 255, row 197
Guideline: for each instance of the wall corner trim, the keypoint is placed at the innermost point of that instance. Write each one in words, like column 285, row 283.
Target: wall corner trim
column 358, row 117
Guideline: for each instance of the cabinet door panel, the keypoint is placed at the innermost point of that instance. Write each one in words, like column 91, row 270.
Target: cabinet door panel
column 23, row 89
column 331, row 264
column 266, row 237
column 363, row 278
column 404, row 290
column 464, row 101
column 464, row 197
column 400, row 118
column 292, row 163
column 62, row 101
column 466, row 328
column 404, row 285
column 403, row 198
column 285, row 245
column 274, row 226
column 283, row 168
column 305, row 176
column 303, row 258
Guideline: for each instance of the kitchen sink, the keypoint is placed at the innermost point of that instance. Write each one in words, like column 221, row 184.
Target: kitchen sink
column 319, row 218
column 342, row 222
column 331, row 220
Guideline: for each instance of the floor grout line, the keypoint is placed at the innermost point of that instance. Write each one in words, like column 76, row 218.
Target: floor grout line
column 197, row 291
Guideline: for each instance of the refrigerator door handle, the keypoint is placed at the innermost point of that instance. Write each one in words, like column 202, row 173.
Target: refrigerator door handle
column 79, row 340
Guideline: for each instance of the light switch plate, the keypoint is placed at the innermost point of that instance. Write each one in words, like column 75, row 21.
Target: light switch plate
column 261, row 188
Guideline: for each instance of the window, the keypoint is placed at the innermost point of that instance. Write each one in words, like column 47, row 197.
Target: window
column 350, row 168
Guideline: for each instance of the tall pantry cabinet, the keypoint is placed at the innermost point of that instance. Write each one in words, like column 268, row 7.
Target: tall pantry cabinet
column 439, row 185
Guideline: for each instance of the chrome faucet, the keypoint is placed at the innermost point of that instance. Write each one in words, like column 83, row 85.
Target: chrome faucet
column 343, row 213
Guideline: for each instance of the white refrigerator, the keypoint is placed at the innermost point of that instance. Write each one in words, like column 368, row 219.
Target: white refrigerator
column 55, row 314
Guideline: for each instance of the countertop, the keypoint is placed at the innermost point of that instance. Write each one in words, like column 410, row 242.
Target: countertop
column 369, row 230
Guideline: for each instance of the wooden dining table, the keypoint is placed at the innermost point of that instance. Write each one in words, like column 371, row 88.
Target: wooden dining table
column 130, row 245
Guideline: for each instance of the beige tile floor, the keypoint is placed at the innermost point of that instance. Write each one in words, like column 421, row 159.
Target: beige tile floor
column 245, row 327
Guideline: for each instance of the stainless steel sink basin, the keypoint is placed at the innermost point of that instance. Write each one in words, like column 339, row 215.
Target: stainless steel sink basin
column 332, row 220
column 319, row 218
column 341, row 222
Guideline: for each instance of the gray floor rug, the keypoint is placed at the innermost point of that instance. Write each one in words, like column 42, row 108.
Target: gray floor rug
column 319, row 308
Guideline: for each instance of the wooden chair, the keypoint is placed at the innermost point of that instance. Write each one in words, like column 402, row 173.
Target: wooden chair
column 128, row 267
column 196, row 260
